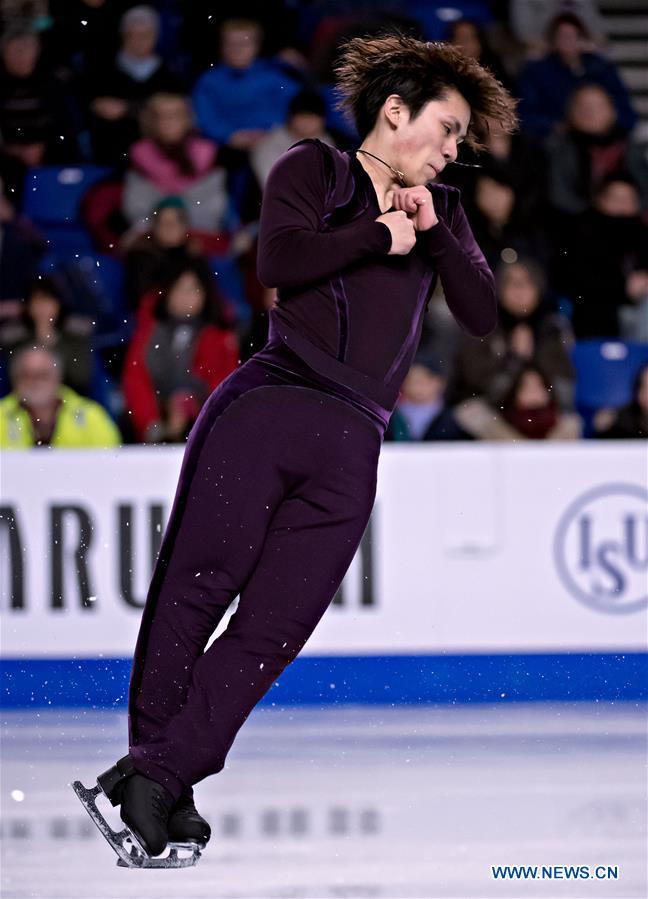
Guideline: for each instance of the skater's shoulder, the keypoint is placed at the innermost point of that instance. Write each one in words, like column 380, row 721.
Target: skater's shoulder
column 308, row 161
column 308, row 154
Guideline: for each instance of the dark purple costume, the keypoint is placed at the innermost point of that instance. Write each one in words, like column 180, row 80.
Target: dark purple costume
column 279, row 473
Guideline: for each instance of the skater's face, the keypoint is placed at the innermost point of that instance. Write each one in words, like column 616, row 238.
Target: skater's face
column 423, row 146
column 186, row 297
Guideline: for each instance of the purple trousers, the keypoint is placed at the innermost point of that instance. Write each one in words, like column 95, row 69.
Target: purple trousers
column 277, row 484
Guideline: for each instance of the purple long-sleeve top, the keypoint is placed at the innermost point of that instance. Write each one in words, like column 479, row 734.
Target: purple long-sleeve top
column 348, row 309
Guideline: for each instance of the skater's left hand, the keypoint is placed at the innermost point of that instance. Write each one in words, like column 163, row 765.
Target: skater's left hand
column 418, row 204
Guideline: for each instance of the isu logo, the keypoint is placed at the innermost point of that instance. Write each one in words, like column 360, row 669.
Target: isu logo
column 601, row 548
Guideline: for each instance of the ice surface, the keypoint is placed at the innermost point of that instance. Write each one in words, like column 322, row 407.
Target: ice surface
column 350, row 802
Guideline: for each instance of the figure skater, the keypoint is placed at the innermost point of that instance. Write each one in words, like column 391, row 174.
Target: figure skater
column 279, row 472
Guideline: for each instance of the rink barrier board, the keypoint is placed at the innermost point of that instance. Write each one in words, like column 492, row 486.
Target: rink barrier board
column 371, row 680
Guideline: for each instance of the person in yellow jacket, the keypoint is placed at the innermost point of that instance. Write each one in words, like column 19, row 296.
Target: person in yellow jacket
column 42, row 411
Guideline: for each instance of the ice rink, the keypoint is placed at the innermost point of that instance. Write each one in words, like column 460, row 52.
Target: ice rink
column 347, row 801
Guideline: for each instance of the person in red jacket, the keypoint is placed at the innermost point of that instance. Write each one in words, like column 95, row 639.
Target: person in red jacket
column 183, row 347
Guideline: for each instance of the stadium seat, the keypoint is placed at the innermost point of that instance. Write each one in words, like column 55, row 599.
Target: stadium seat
column 605, row 371
column 94, row 287
column 53, row 193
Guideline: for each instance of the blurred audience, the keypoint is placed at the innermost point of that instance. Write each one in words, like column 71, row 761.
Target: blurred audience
column 421, row 413
column 593, row 147
column 150, row 256
column 545, row 84
column 306, row 119
column 42, row 411
column 200, row 34
column 21, row 247
column 530, row 332
column 604, row 268
column 37, row 124
column 172, row 159
column 85, row 32
column 181, row 350
column 502, row 224
column 512, row 159
column 46, row 321
column 630, row 422
column 115, row 91
column 189, row 105
column 238, row 101
column 471, row 38
column 529, row 411
column 529, row 20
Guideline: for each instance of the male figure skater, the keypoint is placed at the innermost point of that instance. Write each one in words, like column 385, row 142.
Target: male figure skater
column 279, row 473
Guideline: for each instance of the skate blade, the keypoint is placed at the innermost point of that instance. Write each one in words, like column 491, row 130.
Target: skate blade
column 130, row 852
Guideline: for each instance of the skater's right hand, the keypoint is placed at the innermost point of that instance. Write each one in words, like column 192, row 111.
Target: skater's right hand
column 403, row 235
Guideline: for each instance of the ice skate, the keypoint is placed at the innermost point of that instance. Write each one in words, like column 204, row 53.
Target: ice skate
column 145, row 808
column 186, row 824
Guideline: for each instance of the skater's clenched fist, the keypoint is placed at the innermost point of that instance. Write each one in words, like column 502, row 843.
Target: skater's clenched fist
column 403, row 234
column 418, row 204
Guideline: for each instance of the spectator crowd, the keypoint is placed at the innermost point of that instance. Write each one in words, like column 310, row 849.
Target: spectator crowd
column 135, row 142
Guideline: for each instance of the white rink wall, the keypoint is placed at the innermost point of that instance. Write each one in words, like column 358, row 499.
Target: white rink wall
column 472, row 550
column 484, row 548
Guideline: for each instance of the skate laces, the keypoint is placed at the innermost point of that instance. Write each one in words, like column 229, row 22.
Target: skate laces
column 160, row 806
column 184, row 806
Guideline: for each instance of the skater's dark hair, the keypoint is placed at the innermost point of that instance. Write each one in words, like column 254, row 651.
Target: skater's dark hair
column 369, row 69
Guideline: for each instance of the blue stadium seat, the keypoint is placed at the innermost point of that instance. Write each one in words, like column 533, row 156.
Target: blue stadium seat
column 605, row 371
column 66, row 241
column 53, row 193
column 94, row 287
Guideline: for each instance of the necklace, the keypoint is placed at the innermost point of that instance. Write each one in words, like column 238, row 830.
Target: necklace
column 400, row 177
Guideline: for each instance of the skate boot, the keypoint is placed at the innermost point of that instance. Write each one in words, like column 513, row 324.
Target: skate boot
column 145, row 808
column 186, row 825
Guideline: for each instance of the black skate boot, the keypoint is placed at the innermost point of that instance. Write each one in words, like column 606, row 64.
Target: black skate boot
column 145, row 808
column 186, row 825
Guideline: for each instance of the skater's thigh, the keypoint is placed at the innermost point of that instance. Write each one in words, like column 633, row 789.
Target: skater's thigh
column 231, row 491
column 275, row 457
column 314, row 532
